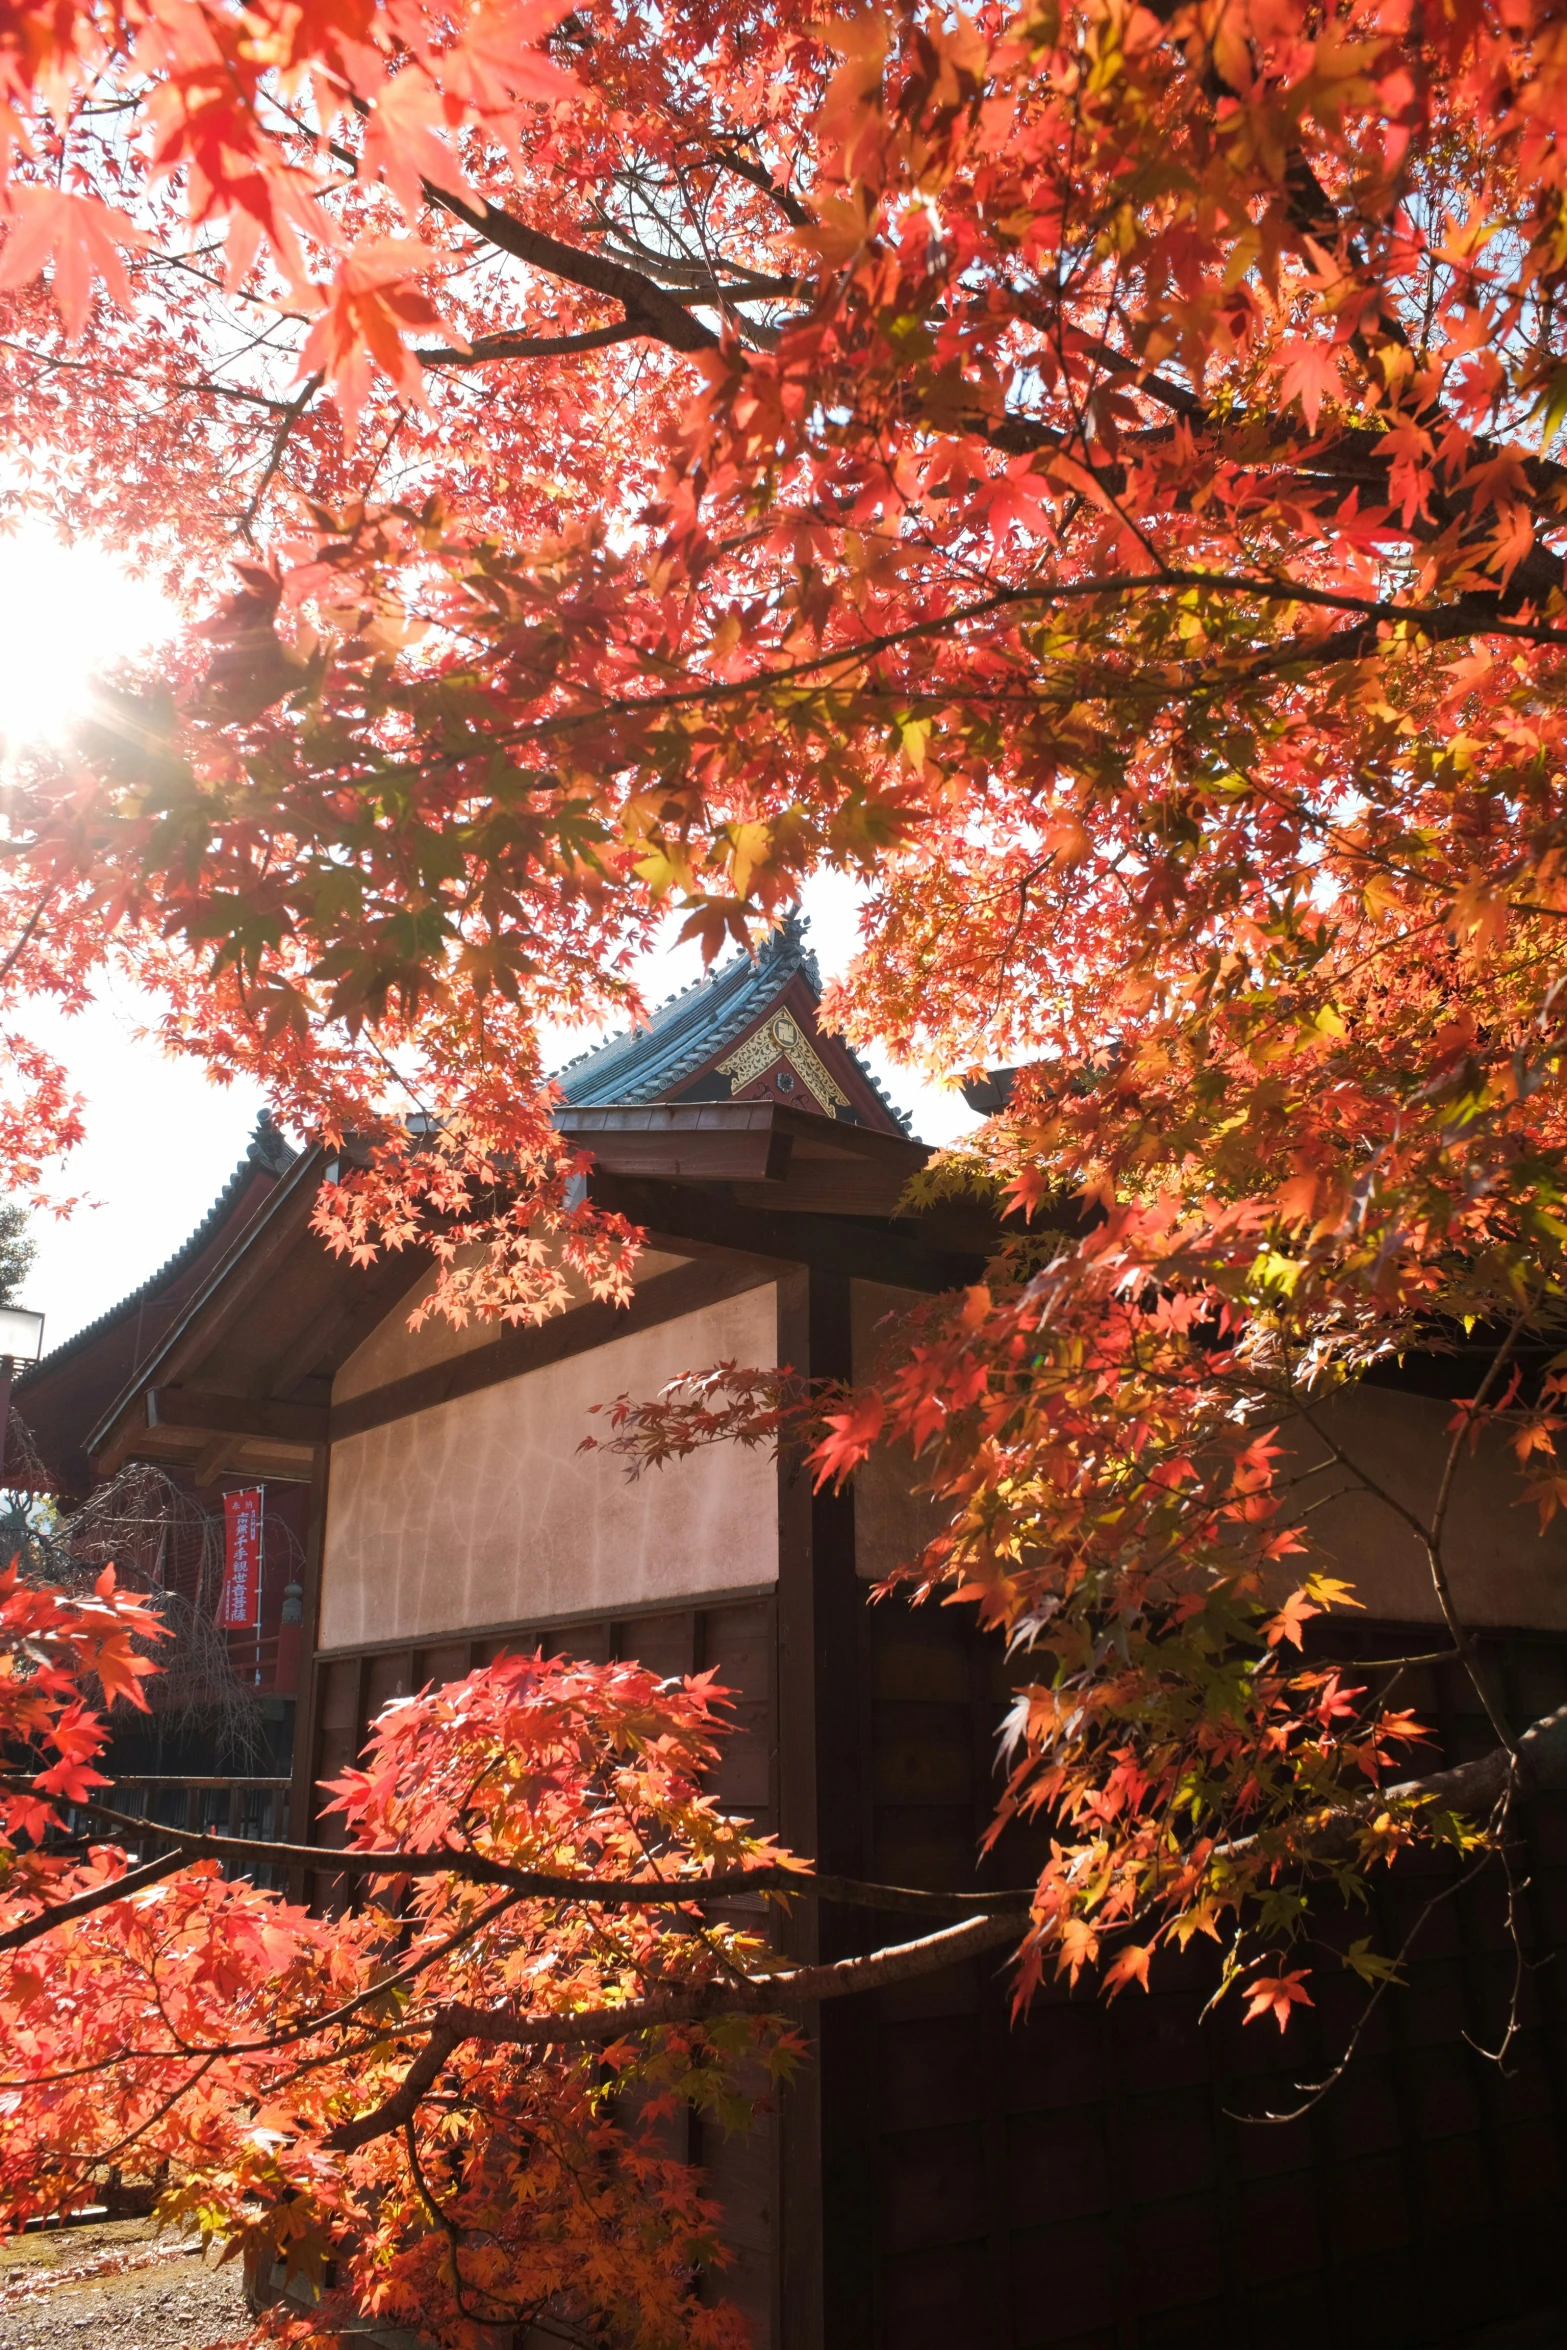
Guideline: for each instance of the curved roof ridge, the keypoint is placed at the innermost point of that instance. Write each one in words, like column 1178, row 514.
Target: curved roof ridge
column 267, row 1149
column 688, row 1019
column 646, row 1063
column 792, row 921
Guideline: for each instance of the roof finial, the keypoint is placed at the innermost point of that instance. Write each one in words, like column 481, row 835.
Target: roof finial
column 267, row 1147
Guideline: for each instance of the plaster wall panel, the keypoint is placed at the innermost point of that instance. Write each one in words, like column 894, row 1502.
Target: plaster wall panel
column 892, row 1523
column 484, row 1511
column 1503, row 1570
column 392, row 1350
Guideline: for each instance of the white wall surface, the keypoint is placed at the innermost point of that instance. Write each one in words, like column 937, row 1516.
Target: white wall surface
column 483, row 1510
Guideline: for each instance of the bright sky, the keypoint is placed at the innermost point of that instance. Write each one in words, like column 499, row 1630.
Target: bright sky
column 64, row 613
column 162, row 1141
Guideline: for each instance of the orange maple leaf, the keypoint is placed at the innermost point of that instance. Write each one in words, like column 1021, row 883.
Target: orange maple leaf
column 1309, row 372
column 81, row 237
column 1278, row 1995
column 853, row 1433
column 364, row 312
column 1129, row 1965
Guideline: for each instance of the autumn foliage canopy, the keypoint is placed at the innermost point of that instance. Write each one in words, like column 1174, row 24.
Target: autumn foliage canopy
column 1087, row 472
column 258, row 2057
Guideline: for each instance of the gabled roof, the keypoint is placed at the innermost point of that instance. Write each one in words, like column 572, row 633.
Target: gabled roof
column 59, row 1397
column 266, row 1150
column 689, row 1033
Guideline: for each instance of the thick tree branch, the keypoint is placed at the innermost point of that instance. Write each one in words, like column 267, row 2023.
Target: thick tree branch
column 788, row 204
column 1536, row 1766
column 769, row 1995
column 1339, row 459
column 521, row 346
column 652, row 311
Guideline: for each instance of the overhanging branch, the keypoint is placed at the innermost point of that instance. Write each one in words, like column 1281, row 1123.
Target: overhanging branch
column 82, row 1905
column 520, row 346
column 649, row 310
column 479, row 1869
column 768, row 1995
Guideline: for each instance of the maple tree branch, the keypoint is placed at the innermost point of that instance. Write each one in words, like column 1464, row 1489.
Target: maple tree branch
column 1313, row 2092
column 1535, row 1764
column 28, row 928
column 55, row 363
column 788, row 204
column 706, row 278
column 81, row 1905
column 1429, row 1534
column 443, row 2220
column 800, row 1987
column 524, row 346
column 1460, row 1634
column 289, row 2034
column 478, row 1868
column 1437, row 621
column 648, row 308
column 1345, row 456
column 286, row 423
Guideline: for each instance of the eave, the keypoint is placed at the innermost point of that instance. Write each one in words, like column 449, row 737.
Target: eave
column 241, row 1386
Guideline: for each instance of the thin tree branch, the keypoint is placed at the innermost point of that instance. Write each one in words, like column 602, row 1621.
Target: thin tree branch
column 28, row 928
column 478, row 1868
column 286, row 423
column 60, row 1913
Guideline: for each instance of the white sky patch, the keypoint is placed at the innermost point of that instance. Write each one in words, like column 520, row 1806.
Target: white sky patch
column 66, row 613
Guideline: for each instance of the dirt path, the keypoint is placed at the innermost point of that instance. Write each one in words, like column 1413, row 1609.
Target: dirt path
column 116, row 2287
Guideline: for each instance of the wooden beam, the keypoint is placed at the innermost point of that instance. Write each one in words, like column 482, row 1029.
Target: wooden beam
column 301, row 1810
column 361, row 1300
column 846, row 2029
column 212, row 1463
column 905, row 1255
column 703, row 1142
column 798, row 2320
column 250, row 1262
column 236, row 1415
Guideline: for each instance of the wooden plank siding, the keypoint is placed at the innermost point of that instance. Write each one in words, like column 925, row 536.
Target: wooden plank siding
column 1078, row 2182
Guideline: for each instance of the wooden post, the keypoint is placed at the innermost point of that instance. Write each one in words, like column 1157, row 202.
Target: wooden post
column 826, row 2268
column 301, row 1802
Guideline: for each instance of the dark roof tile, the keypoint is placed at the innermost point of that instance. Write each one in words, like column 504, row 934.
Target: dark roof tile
column 267, row 1150
column 686, row 1031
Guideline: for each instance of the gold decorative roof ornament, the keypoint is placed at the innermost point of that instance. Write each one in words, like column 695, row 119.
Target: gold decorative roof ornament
column 782, row 1039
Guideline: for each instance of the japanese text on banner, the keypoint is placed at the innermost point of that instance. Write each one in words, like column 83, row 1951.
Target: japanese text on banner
column 240, row 1607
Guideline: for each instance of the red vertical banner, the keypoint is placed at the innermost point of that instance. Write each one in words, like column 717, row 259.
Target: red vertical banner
column 239, row 1610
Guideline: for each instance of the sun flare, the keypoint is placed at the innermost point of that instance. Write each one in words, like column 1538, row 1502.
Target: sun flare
column 66, row 613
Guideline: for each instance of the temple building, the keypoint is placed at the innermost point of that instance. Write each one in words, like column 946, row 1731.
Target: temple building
column 941, row 2176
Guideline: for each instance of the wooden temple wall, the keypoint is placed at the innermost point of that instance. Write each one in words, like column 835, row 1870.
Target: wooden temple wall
column 945, row 2176
column 460, row 1494
column 1076, row 2181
